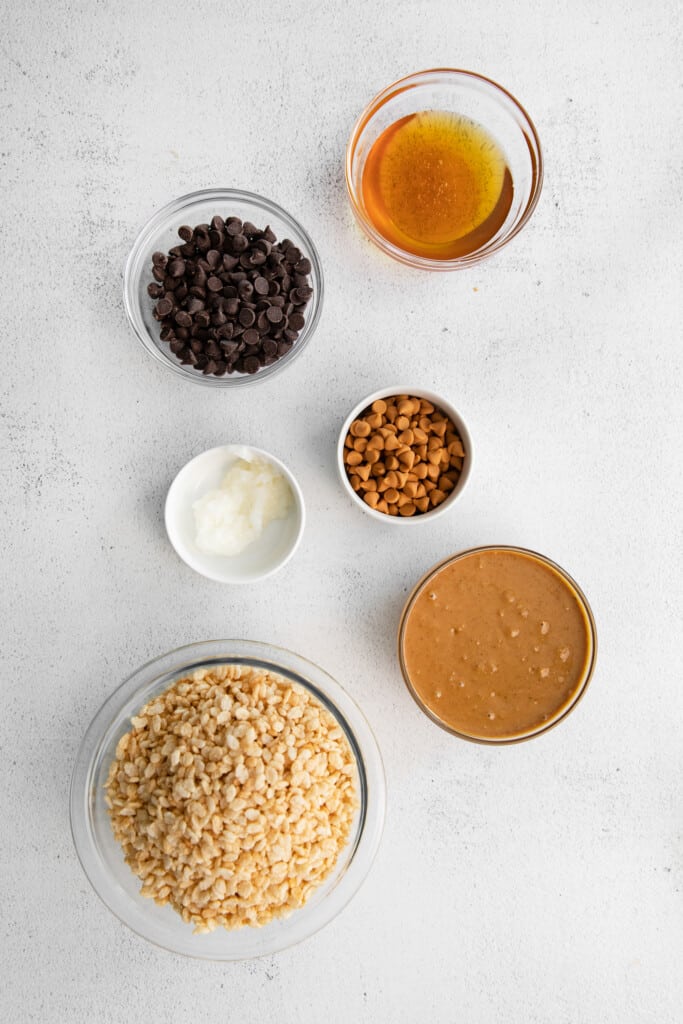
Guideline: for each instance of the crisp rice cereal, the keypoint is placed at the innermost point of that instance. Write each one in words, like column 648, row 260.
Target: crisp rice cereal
column 232, row 796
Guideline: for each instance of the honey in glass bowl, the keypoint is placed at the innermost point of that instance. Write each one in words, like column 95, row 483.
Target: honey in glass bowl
column 437, row 184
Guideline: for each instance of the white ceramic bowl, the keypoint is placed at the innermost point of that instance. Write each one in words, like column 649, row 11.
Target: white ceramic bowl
column 445, row 407
column 262, row 557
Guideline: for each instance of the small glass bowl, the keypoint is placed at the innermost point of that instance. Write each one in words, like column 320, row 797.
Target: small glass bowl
column 101, row 856
column 161, row 234
column 475, row 97
column 564, row 710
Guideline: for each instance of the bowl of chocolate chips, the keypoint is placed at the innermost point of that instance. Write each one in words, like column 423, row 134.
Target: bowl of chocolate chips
column 223, row 287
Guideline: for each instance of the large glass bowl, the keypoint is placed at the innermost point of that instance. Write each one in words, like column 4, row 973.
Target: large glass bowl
column 564, row 709
column 161, row 234
column 101, row 855
column 474, row 97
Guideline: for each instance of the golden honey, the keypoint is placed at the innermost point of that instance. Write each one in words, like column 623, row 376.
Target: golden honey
column 437, row 185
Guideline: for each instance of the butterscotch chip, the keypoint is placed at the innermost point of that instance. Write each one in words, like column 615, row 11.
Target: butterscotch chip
column 353, row 458
column 437, row 496
column 391, row 495
column 422, row 504
column 371, row 498
column 405, row 441
column 392, row 510
column 407, row 510
column 359, row 428
column 355, row 482
column 382, row 506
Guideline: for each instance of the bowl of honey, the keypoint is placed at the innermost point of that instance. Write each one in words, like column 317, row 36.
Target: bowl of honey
column 443, row 168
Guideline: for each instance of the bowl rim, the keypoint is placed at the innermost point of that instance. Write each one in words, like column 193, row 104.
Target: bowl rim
column 588, row 672
column 154, row 223
column 414, row 80
column 445, row 406
column 184, row 552
column 345, row 709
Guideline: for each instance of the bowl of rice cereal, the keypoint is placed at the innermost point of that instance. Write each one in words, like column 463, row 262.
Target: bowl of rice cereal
column 227, row 800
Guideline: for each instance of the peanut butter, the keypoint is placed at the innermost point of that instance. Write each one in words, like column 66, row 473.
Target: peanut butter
column 497, row 643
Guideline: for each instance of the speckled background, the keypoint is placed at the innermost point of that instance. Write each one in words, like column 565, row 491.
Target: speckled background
column 535, row 884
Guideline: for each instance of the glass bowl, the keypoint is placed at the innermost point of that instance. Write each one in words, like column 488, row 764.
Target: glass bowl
column 161, row 233
column 474, row 97
column 102, row 857
column 563, row 710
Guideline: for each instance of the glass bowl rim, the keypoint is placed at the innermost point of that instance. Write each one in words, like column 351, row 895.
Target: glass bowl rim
column 364, row 844
column 416, row 79
column 156, row 222
column 588, row 671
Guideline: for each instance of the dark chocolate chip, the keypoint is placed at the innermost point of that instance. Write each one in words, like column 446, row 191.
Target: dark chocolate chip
column 246, row 317
column 274, row 314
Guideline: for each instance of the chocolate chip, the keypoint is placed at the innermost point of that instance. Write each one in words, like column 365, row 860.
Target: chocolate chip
column 274, row 314
column 230, row 298
column 176, row 268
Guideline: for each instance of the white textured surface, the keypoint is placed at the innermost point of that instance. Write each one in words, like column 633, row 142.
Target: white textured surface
column 536, row 884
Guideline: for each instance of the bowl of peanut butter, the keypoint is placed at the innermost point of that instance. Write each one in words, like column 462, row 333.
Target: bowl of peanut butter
column 497, row 644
